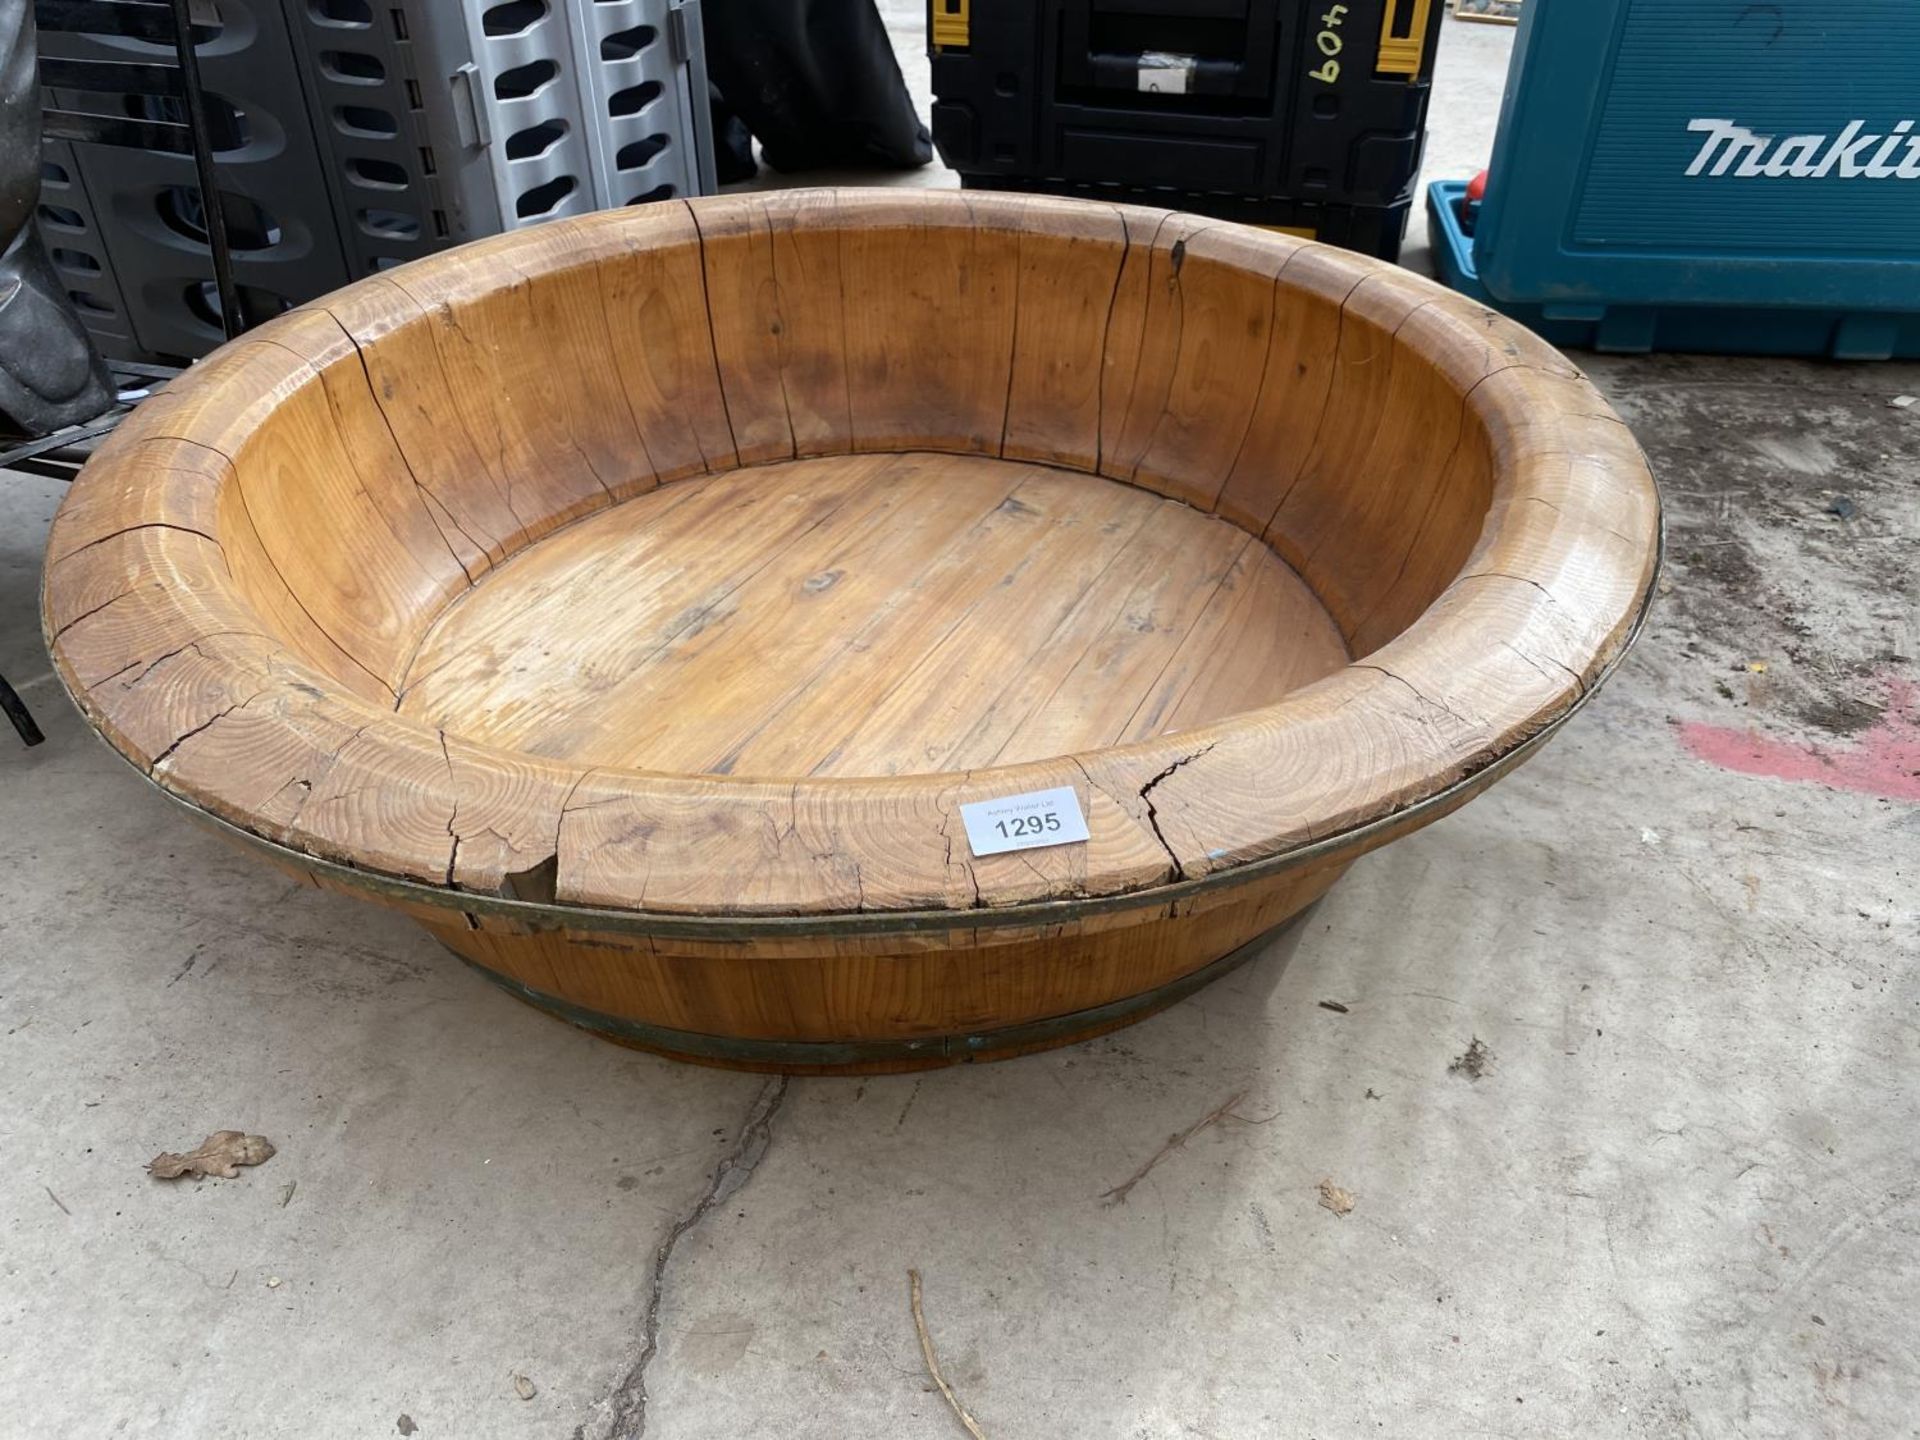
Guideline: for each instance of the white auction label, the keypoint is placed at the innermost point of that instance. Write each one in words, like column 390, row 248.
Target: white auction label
column 1024, row 822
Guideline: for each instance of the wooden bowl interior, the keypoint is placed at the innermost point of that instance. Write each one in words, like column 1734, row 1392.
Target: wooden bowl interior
column 845, row 493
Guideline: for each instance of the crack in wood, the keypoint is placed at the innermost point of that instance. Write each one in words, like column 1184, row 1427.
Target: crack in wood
column 713, row 349
column 340, row 431
column 426, row 490
column 166, row 754
column 1153, row 814
column 61, row 559
column 240, row 490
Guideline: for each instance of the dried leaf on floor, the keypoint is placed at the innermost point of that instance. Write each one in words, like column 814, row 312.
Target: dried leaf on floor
column 221, row 1154
column 1473, row 1062
column 1333, row 1198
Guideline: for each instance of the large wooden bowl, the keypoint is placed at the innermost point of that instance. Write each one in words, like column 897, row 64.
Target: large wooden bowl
column 634, row 601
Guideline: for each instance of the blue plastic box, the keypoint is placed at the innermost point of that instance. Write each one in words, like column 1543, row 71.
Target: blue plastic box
column 1716, row 175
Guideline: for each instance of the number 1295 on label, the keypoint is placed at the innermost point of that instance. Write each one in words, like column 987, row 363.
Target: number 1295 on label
column 1021, row 826
column 1024, row 822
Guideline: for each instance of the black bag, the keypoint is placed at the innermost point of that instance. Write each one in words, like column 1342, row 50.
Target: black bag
column 815, row 80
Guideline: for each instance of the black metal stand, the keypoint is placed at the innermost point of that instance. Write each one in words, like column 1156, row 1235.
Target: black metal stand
column 112, row 121
column 231, row 321
column 59, row 456
column 18, row 713
column 166, row 22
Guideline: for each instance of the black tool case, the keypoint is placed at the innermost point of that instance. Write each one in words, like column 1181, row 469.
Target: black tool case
column 1305, row 115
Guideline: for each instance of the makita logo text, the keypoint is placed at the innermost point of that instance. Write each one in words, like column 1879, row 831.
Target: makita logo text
column 1853, row 153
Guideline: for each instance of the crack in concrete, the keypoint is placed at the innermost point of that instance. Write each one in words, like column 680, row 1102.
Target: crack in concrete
column 627, row 1405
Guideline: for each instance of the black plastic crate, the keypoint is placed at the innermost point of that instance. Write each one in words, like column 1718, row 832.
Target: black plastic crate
column 351, row 136
column 138, row 264
column 1298, row 116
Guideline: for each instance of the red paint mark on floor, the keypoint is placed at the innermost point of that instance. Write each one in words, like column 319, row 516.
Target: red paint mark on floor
column 1884, row 760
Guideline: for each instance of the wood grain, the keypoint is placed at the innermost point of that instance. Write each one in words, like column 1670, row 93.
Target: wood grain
column 872, row 616
column 698, row 562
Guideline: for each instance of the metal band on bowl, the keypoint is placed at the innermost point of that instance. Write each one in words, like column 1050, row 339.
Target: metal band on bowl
column 928, row 1050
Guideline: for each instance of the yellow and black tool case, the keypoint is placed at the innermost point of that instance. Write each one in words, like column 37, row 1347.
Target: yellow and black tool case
column 1305, row 116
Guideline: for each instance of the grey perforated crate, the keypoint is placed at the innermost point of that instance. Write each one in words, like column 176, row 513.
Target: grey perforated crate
column 445, row 121
column 76, row 245
column 360, row 134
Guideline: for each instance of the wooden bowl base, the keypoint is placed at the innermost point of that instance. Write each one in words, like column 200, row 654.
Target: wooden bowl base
column 869, row 615
column 886, row 1002
column 880, row 1057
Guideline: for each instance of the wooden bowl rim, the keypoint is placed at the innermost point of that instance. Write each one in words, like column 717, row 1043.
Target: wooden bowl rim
column 1542, row 609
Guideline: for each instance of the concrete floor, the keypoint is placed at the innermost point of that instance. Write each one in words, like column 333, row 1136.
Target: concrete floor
column 1683, row 1200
